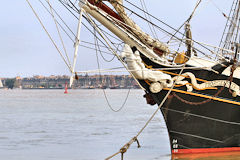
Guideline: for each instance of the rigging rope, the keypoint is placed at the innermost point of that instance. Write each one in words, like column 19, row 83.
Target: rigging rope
column 165, row 31
column 59, row 34
column 134, row 139
column 220, row 10
column 105, row 95
column 187, row 21
column 151, row 27
column 104, row 32
column 227, row 17
column 35, row 13
column 106, row 39
column 94, row 49
column 158, row 69
column 97, row 46
column 201, row 44
column 58, row 22
column 66, row 5
column 87, row 28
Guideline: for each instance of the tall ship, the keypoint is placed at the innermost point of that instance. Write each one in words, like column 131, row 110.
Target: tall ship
column 194, row 84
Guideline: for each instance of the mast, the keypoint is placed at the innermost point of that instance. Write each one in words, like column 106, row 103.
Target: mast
column 231, row 33
column 76, row 45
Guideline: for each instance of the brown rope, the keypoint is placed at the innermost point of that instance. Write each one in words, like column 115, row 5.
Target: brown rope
column 198, row 103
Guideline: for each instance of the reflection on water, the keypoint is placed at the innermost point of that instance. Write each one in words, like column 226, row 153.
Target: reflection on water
column 208, row 156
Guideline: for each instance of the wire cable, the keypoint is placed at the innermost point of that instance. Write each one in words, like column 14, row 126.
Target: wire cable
column 105, row 95
column 59, row 34
column 35, row 13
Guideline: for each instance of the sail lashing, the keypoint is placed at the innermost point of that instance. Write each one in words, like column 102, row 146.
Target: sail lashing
column 157, row 45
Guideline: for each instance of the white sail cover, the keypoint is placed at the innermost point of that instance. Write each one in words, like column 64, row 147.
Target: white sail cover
column 138, row 69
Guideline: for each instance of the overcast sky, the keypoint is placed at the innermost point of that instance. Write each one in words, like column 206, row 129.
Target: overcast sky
column 25, row 49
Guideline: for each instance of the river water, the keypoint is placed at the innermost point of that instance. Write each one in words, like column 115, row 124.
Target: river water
column 50, row 125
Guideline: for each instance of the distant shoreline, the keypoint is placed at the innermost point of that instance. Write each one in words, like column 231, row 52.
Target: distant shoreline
column 81, row 82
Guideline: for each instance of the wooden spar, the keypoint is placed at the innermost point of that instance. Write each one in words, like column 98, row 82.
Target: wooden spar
column 106, row 9
column 76, row 45
column 124, row 35
column 109, row 11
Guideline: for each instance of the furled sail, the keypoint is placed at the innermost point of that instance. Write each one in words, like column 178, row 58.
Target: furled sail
column 145, row 38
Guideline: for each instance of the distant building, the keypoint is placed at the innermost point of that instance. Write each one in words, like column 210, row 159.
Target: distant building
column 38, row 77
column 18, row 78
column 1, row 84
column 18, row 82
column 82, row 82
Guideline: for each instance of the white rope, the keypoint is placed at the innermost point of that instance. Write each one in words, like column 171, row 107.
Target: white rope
column 223, row 49
column 218, row 8
column 105, row 94
column 35, row 13
column 194, row 11
column 190, row 58
column 113, row 70
column 228, row 18
column 217, row 54
column 127, row 28
column 59, row 34
column 151, row 27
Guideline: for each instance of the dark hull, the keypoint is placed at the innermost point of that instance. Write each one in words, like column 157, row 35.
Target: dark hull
column 209, row 127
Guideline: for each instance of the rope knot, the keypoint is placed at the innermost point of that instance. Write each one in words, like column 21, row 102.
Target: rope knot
column 76, row 76
column 123, row 150
column 136, row 140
